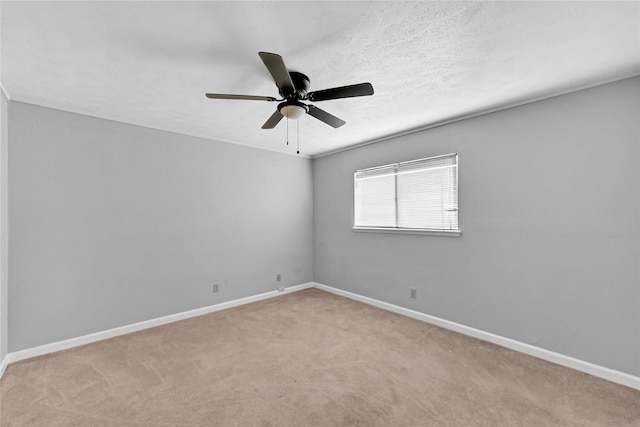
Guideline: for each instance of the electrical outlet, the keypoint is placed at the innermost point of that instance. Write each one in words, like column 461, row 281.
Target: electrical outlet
column 278, row 277
column 215, row 287
column 414, row 293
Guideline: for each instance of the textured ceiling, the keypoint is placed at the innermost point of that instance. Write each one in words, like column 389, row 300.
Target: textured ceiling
column 150, row 63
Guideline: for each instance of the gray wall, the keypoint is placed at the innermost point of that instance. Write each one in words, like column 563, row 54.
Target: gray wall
column 550, row 214
column 113, row 224
column 4, row 254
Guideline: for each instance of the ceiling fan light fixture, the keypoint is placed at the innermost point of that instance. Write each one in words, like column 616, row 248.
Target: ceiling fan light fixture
column 292, row 110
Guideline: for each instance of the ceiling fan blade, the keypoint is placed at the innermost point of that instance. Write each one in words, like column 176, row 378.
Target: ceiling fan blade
column 272, row 121
column 323, row 116
column 240, row 97
column 279, row 72
column 360, row 89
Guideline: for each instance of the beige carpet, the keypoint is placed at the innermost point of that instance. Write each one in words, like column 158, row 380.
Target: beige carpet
column 305, row 359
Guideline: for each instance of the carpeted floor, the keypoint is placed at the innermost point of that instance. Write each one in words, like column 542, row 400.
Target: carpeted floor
column 308, row 358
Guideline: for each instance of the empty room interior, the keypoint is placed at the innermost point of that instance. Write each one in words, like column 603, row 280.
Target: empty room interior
column 320, row 213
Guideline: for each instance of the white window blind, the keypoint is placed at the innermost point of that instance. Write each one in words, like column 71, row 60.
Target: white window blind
column 416, row 195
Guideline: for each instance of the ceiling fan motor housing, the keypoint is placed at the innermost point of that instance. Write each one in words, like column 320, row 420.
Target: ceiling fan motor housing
column 301, row 85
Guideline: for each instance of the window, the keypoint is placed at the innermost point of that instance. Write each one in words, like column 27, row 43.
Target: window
column 416, row 196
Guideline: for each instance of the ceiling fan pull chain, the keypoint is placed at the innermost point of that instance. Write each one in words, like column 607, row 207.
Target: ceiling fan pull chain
column 287, row 130
column 298, row 136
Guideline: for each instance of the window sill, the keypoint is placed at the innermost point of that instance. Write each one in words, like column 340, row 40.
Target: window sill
column 449, row 233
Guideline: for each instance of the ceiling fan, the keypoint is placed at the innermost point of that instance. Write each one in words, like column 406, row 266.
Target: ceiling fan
column 293, row 87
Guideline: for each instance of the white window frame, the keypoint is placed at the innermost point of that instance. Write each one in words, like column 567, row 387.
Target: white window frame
column 404, row 230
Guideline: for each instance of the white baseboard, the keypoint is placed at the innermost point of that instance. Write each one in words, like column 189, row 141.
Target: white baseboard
column 110, row 333
column 6, row 94
column 3, row 365
column 550, row 356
